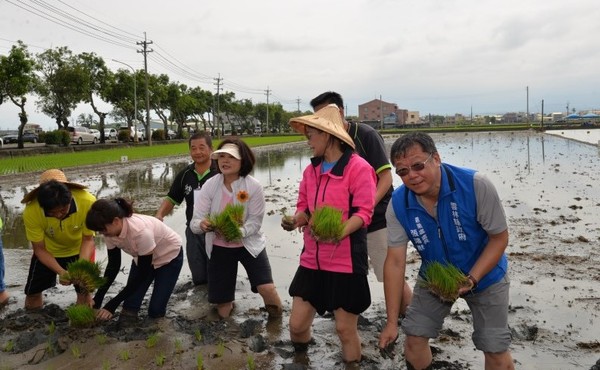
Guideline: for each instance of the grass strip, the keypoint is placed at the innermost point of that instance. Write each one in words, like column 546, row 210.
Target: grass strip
column 41, row 162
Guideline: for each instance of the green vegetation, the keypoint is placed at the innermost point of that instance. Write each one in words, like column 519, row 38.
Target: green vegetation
column 198, row 335
column 81, row 316
column 327, row 225
column 9, row 346
column 200, row 361
column 152, row 340
column 159, row 359
column 220, row 349
column 105, row 365
column 250, row 364
column 102, row 155
column 228, row 222
column 76, row 351
column 101, row 339
column 444, row 280
column 51, row 328
column 178, row 345
column 85, row 274
column 124, row 355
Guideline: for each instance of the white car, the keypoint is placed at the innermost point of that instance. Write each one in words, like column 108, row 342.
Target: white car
column 80, row 135
column 96, row 133
column 110, row 134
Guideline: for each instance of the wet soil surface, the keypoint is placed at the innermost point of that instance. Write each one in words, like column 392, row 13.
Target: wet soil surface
column 554, row 314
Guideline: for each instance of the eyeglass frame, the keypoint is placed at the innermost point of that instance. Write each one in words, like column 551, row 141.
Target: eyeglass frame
column 419, row 166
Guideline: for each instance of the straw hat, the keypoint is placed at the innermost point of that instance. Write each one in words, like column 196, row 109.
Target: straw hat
column 327, row 119
column 49, row 175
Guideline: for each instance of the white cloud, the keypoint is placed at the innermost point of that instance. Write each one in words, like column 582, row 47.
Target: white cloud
column 432, row 56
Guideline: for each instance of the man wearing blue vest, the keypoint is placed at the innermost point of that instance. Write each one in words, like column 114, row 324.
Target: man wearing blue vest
column 451, row 215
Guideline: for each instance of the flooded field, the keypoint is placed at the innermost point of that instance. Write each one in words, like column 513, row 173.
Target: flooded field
column 549, row 187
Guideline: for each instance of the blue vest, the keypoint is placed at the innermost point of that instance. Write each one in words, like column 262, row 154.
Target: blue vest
column 457, row 238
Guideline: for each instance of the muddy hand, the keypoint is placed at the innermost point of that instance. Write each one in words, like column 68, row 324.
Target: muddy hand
column 288, row 223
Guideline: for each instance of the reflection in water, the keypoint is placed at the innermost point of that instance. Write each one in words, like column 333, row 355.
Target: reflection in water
column 524, row 154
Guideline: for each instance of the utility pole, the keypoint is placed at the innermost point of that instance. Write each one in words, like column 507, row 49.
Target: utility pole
column 145, row 51
column 298, row 104
column 267, row 92
column 216, row 118
column 542, row 126
column 381, row 111
column 527, row 89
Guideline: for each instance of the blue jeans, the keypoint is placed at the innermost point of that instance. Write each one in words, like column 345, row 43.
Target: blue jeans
column 195, row 250
column 2, row 285
column 165, row 278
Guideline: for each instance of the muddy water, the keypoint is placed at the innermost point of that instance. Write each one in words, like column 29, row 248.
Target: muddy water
column 548, row 185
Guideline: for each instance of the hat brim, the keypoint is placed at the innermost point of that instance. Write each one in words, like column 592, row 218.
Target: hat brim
column 299, row 123
column 33, row 194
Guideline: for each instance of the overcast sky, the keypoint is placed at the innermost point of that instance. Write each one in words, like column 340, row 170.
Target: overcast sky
column 439, row 57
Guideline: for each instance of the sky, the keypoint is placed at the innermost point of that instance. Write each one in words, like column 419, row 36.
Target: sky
column 434, row 57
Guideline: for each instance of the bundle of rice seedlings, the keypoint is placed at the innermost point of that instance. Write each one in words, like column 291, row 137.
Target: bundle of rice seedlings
column 81, row 316
column 444, row 280
column 327, row 225
column 228, row 222
column 85, row 274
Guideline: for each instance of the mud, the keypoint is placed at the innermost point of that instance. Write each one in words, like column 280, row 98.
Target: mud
column 554, row 314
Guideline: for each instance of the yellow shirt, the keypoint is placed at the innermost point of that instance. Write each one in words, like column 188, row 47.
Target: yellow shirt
column 61, row 237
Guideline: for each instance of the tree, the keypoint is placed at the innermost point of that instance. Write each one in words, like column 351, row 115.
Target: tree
column 86, row 120
column 204, row 100
column 17, row 79
column 120, row 93
column 97, row 83
column 62, row 84
column 160, row 87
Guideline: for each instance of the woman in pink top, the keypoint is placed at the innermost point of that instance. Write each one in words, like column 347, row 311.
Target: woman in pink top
column 332, row 276
column 156, row 251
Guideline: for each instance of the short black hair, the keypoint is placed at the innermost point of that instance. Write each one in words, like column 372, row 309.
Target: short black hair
column 329, row 97
column 53, row 194
column 247, row 161
column 201, row 135
column 407, row 141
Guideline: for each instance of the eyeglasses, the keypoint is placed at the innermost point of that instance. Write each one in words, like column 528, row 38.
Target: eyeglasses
column 419, row 166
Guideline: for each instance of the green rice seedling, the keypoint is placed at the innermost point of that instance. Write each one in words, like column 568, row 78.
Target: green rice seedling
column 200, row 361
column 228, row 222
column 85, row 274
column 51, row 328
column 152, row 340
column 101, row 339
column 105, row 365
column 220, row 349
column 250, row 362
column 198, row 335
column 178, row 345
column 9, row 346
column 81, row 316
column 327, row 225
column 159, row 359
column 444, row 280
column 124, row 355
column 76, row 351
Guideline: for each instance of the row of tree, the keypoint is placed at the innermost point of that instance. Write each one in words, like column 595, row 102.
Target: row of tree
column 61, row 81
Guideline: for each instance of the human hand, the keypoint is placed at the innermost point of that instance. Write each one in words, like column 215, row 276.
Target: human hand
column 206, row 226
column 64, row 278
column 387, row 341
column 104, row 314
column 288, row 223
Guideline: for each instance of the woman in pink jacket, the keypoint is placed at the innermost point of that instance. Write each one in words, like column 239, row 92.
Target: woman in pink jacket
column 332, row 275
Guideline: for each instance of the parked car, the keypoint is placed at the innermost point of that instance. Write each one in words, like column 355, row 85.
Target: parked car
column 110, row 134
column 30, row 137
column 141, row 133
column 81, row 135
column 170, row 134
column 96, row 133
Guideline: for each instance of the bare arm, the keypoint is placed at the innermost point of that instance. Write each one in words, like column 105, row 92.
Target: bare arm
column 394, row 270
column 40, row 251
column 165, row 209
column 384, row 183
column 88, row 248
column 489, row 258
